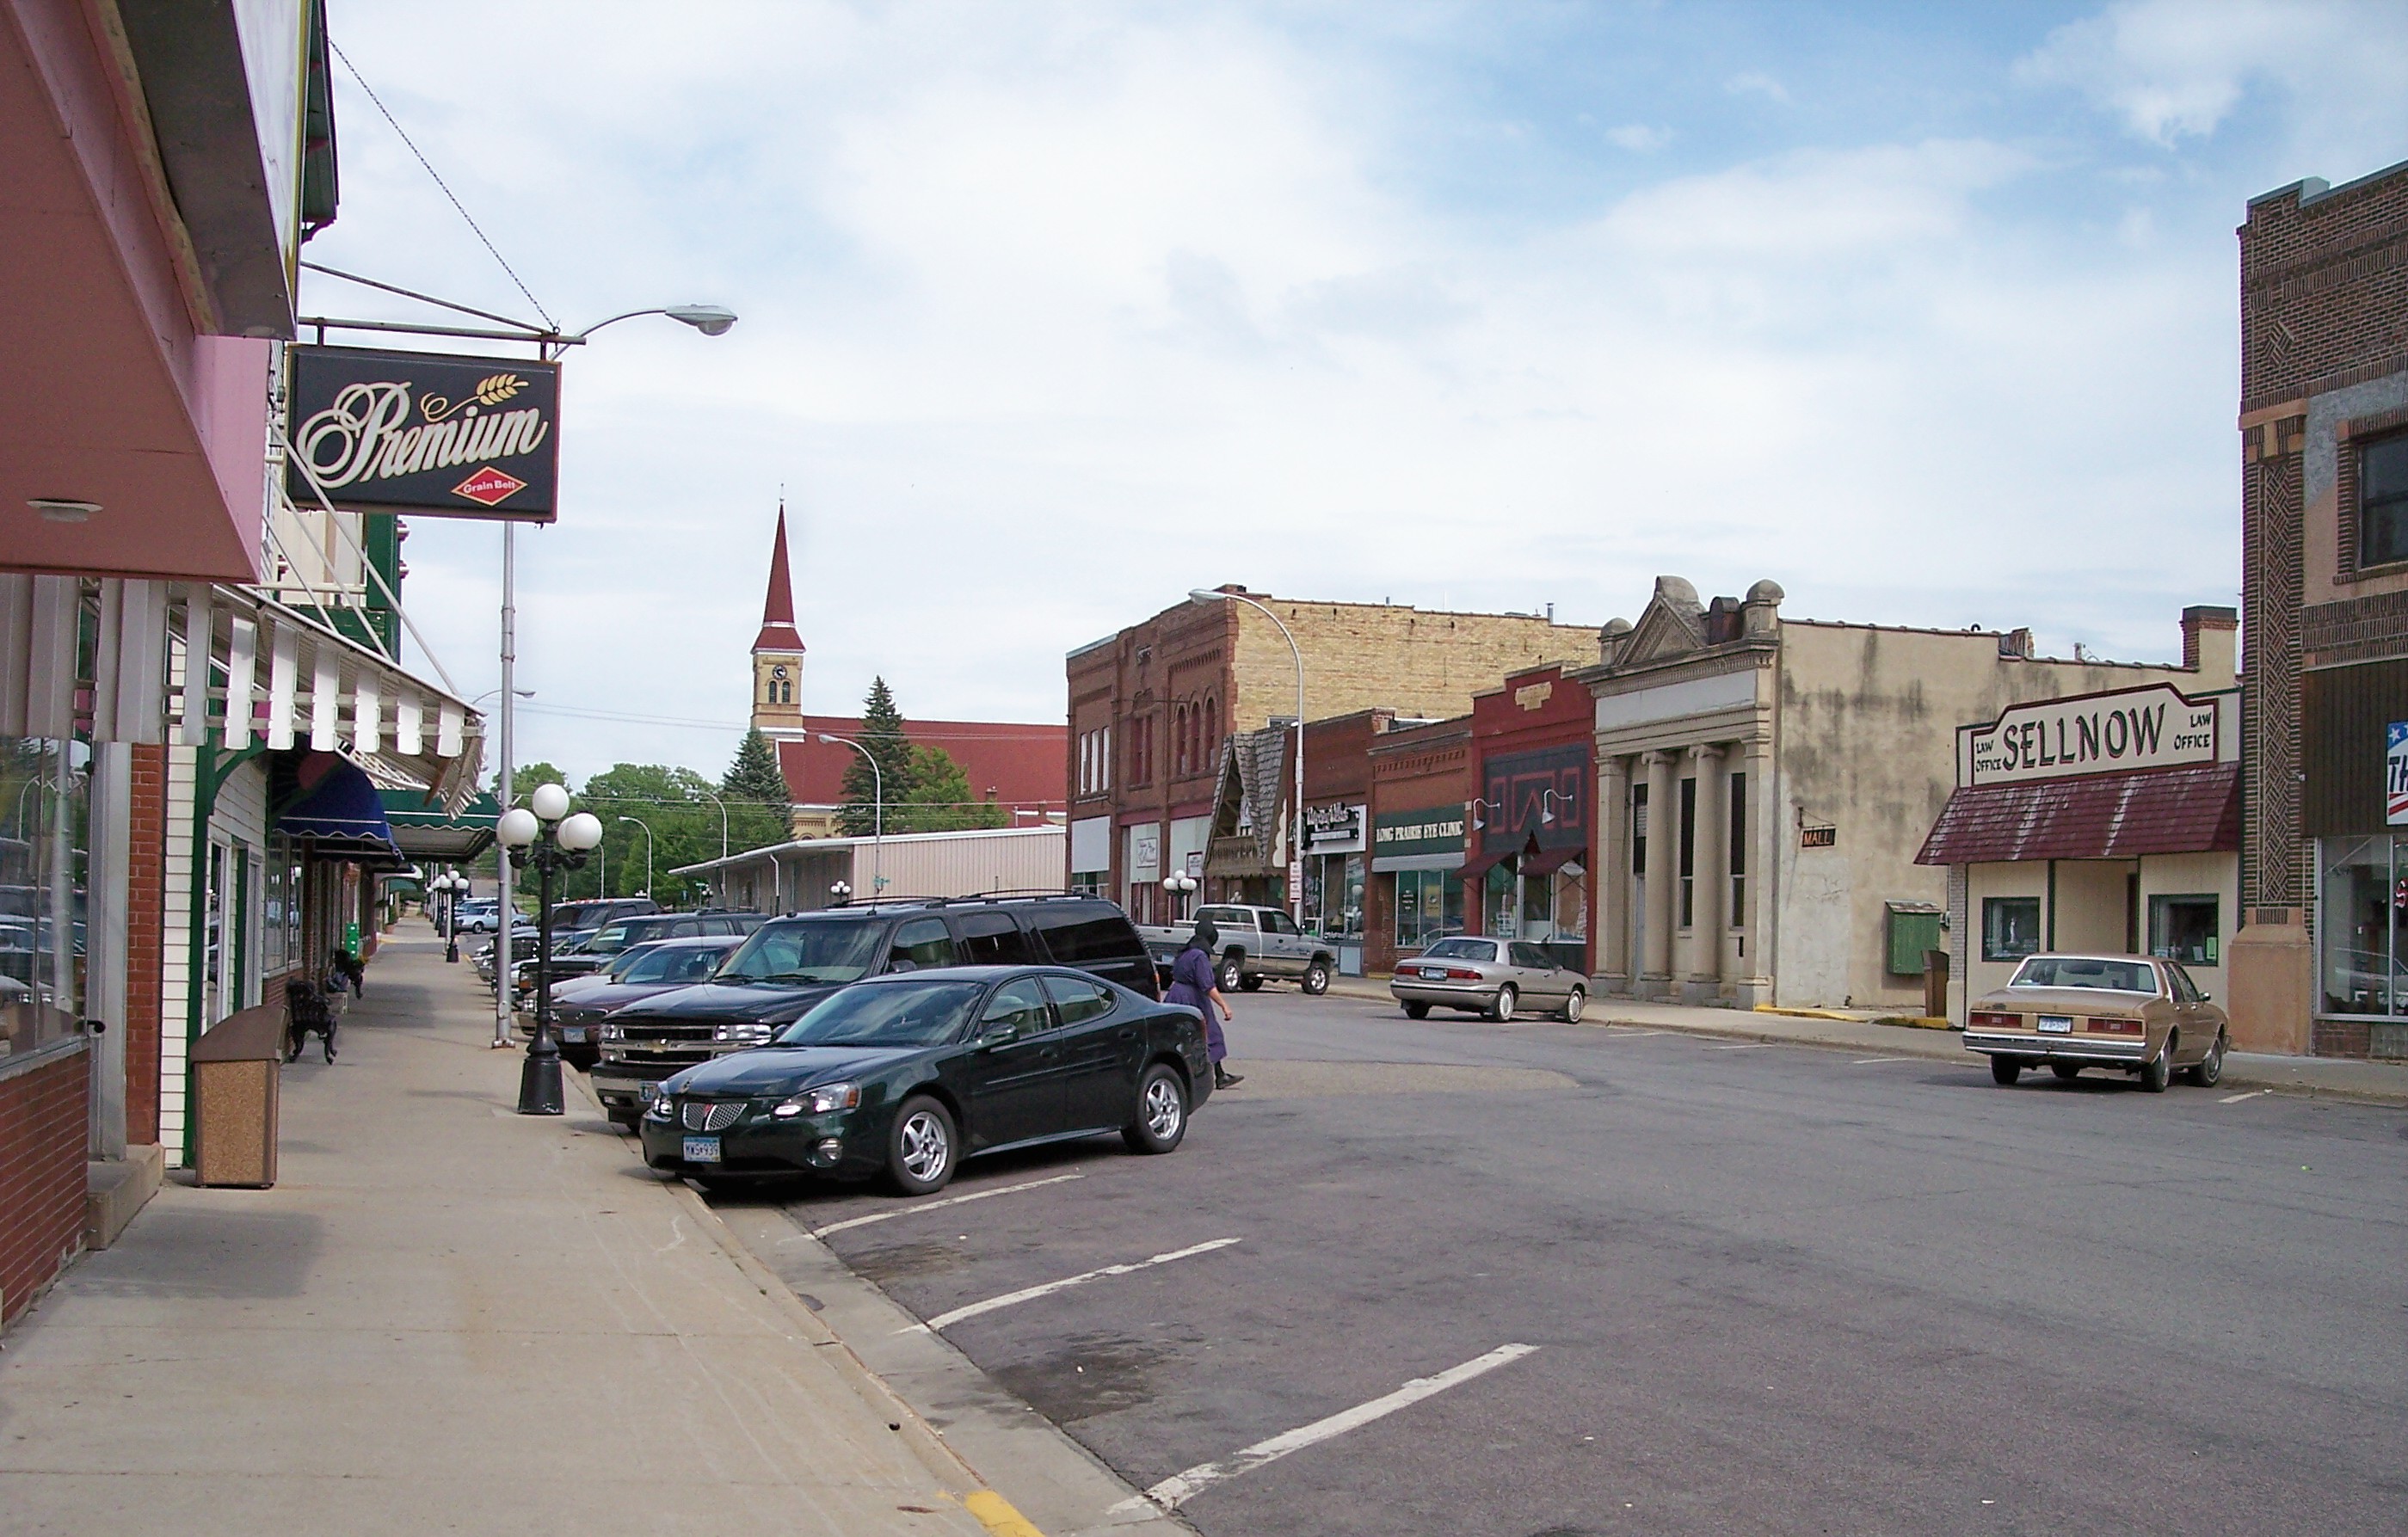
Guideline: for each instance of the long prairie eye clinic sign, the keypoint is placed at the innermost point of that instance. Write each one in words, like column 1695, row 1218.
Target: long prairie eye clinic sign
column 425, row 432
column 2155, row 727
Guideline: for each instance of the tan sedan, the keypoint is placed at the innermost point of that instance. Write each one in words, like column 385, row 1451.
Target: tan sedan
column 2127, row 1012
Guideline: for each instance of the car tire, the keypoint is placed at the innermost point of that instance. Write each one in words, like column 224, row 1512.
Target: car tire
column 1574, row 1001
column 1233, row 974
column 2209, row 1070
column 1251, row 982
column 624, row 1121
column 923, row 1147
column 1161, row 1119
column 1416, row 1011
column 580, row 1057
column 1501, row 1011
column 2004, row 1071
column 2066, row 1071
column 1315, row 980
column 2158, row 1070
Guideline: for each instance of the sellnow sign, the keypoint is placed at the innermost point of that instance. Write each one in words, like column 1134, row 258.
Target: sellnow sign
column 425, row 432
column 2155, row 727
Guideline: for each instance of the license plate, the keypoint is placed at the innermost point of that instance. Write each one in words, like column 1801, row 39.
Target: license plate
column 2057, row 1024
column 702, row 1149
column 1433, row 973
column 574, row 1034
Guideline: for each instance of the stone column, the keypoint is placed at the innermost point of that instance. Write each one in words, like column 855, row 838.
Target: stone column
column 1663, row 870
column 1608, row 883
column 1766, row 825
column 1709, row 887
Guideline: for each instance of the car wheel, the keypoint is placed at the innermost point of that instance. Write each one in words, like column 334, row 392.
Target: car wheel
column 580, row 1057
column 922, row 1148
column 1161, row 1111
column 2066, row 1071
column 1231, row 974
column 1503, row 1010
column 2209, row 1071
column 1315, row 980
column 2004, row 1071
column 1574, row 1001
column 1416, row 1011
column 2158, row 1070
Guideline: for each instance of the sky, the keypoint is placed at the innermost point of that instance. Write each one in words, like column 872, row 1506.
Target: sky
column 1053, row 311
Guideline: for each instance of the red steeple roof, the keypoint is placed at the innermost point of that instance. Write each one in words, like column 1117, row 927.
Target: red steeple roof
column 778, row 632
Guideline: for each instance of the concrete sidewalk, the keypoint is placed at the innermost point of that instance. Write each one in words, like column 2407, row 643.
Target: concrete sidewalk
column 447, row 1316
column 2335, row 1077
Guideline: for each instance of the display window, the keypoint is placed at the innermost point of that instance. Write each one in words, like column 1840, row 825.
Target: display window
column 2362, row 926
column 2010, row 928
column 2183, row 929
column 1333, row 893
column 46, row 801
column 1430, row 907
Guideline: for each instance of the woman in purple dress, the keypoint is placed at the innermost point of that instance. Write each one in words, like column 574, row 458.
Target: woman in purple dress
column 1191, row 984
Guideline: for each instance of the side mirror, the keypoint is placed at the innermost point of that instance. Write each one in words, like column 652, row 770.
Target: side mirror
column 996, row 1035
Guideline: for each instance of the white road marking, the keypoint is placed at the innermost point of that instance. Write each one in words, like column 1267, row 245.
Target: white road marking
column 931, row 1205
column 1180, row 1488
column 1867, row 1061
column 2236, row 1099
column 1029, row 1294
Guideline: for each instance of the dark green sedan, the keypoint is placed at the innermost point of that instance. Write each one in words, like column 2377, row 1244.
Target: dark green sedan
column 906, row 1074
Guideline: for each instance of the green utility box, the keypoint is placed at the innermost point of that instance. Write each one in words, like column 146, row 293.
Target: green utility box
column 1913, row 927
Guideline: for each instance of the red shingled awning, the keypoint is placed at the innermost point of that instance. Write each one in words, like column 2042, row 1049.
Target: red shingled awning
column 2105, row 816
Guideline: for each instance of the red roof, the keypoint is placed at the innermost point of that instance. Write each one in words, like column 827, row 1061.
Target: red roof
column 1017, row 762
column 2106, row 817
column 778, row 632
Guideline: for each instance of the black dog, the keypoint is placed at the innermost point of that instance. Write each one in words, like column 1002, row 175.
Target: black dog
column 306, row 1013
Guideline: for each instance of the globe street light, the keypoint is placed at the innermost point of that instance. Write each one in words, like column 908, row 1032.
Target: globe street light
column 1296, row 812
column 449, row 888
column 877, row 814
column 572, row 836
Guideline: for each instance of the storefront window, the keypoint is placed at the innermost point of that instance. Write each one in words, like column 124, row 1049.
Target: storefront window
column 2183, row 929
column 1333, row 893
column 1500, row 910
column 45, row 797
column 2359, row 927
column 1430, row 907
column 2010, row 928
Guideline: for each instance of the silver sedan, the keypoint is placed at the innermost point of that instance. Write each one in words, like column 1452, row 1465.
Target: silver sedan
column 1490, row 977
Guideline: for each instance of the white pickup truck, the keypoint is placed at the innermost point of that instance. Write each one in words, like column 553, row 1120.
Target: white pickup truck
column 1257, row 943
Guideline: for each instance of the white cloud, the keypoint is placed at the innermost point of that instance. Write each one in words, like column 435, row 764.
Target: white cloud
column 1755, row 82
column 1637, row 138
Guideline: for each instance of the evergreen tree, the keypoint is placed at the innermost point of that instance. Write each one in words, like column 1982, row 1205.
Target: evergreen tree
column 941, row 800
column 759, row 812
column 882, row 736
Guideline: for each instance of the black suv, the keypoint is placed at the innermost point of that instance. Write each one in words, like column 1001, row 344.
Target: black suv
column 791, row 963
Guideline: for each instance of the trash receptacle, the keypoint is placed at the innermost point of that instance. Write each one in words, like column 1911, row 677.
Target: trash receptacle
column 238, row 1074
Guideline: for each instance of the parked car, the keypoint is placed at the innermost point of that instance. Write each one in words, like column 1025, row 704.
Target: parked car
column 907, row 1075
column 1257, row 943
column 1490, row 977
column 580, row 1004
column 791, row 963
column 2127, row 1012
column 480, row 916
column 596, row 950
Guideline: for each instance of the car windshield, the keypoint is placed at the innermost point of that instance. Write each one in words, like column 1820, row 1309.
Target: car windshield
column 807, row 950
column 628, row 959
column 671, row 963
column 887, row 1014
column 2083, row 971
column 1461, row 949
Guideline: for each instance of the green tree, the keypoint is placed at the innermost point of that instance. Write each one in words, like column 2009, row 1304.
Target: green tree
column 674, row 803
column 759, row 810
column 940, row 800
column 882, row 735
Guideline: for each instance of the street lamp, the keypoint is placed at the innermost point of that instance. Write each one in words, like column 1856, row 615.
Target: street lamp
column 877, row 814
column 449, row 888
column 1178, row 886
column 839, row 893
column 648, row 852
column 1296, row 811
column 571, row 836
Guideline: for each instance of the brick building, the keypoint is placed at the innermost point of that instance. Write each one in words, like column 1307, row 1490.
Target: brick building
column 1151, row 707
column 2323, row 963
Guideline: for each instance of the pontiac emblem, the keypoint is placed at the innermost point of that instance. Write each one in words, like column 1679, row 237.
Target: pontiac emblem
column 489, row 487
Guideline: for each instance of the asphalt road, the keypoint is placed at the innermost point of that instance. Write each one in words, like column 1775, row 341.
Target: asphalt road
column 1770, row 1290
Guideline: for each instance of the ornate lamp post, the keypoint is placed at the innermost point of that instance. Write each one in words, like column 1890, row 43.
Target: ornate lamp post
column 1178, row 886
column 571, row 838
column 449, row 888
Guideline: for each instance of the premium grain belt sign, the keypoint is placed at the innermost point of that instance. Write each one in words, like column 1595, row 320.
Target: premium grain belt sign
column 422, row 432
column 2156, row 727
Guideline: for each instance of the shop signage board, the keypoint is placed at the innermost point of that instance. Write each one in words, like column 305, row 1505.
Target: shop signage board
column 1539, row 795
column 429, row 434
column 2395, row 774
column 2149, row 728
column 1334, row 828
column 1398, row 834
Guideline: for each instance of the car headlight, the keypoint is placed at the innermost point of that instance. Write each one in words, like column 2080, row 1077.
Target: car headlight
column 741, row 1034
column 821, row 1101
column 614, row 1032
column 656, row 1105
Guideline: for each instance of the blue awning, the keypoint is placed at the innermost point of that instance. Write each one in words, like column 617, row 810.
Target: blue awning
column 329, row 801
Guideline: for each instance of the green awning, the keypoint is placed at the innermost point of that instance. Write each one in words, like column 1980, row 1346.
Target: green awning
column 427, row 834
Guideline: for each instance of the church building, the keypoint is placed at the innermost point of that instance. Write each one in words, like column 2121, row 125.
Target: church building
column 1020, row 767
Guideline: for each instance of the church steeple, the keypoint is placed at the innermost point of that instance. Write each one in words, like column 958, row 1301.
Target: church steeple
column 777, row 649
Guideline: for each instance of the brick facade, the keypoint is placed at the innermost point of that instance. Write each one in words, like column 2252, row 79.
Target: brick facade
column 145, row 919
column 2324, row 364
column 43, row 1112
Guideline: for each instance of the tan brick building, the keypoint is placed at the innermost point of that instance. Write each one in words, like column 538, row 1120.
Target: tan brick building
column 1151, row 706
